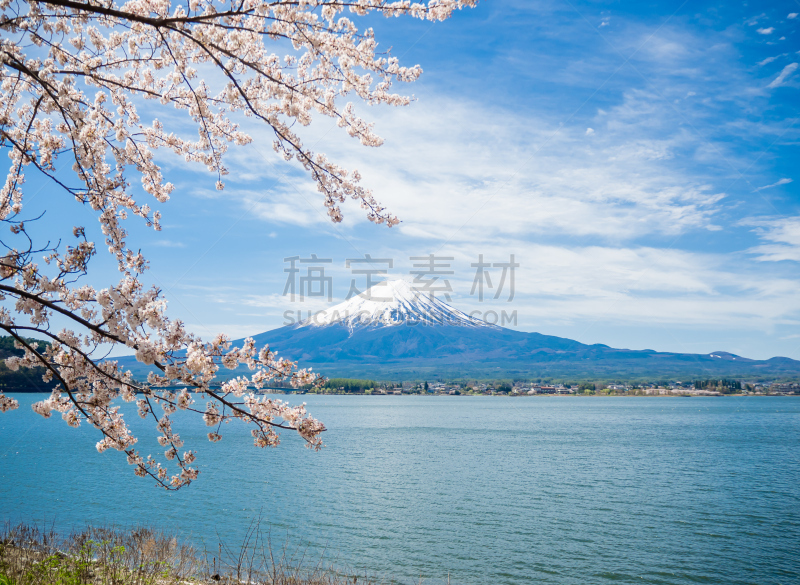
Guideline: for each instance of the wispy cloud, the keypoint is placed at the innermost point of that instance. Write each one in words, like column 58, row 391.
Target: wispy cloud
column 769, row 60
column 787, row 71
column 783, row 237
column 766, row 31
column 168, row 244
column 775, row 184
column 527, row 176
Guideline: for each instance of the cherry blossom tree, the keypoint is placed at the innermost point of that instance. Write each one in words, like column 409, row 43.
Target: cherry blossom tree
column 82, row 81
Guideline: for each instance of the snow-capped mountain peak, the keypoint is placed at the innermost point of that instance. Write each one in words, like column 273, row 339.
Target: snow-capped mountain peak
column 391, row 303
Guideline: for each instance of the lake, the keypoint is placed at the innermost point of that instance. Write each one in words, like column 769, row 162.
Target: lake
column 489, row 490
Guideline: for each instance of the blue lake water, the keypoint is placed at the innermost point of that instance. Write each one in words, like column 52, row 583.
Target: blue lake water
column 487, row 489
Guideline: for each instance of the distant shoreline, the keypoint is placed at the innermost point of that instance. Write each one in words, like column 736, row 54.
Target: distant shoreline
column 278, row 392
column 541, row 395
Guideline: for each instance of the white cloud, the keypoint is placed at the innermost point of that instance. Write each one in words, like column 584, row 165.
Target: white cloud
column 769, row 60
column 504, row 172
column 775, row 184
column 286, row 200
column 508, row 173
column 766, row 31
column 792, row 15
column 787, row 71
column 783, row 235
column 277, row 303
column 560, row 285
column 290, row 202
column 664, row 47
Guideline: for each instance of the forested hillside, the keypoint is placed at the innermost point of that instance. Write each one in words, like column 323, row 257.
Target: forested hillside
column 24, row 379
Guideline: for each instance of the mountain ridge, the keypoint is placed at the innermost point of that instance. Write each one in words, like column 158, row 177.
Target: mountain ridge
column 394, row 330
column 442, row 340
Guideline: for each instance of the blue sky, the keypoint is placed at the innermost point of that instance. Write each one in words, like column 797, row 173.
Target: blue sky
column 640, row 160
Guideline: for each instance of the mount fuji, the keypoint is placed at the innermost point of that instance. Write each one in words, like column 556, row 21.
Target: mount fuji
column 391, row 303
column 394, row 330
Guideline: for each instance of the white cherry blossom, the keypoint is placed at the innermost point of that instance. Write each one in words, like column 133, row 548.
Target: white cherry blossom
column 75, row 79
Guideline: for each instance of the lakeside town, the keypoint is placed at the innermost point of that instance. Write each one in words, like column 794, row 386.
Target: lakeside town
column 524, row 388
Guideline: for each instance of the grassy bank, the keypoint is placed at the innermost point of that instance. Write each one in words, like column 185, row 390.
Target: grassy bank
column 142, row 556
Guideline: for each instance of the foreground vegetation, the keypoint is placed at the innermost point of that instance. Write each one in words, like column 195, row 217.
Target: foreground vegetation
column 143, row 556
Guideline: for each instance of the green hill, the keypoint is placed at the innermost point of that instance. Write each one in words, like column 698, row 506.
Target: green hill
column 24, row 379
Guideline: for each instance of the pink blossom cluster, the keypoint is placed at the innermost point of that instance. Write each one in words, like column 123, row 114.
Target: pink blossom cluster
column 75, row 78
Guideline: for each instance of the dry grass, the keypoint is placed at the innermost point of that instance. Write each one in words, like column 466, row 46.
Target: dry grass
column 95, row 556
column 143, row 556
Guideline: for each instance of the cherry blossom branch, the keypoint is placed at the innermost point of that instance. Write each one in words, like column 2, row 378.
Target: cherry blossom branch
column 72, row 78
